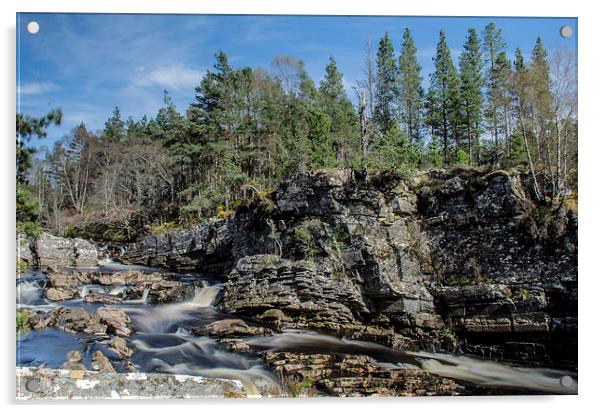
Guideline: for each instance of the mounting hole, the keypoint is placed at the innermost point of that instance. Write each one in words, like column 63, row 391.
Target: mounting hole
column 567, row 381
column 33, row 385
column 566, row 31
column 33, row 27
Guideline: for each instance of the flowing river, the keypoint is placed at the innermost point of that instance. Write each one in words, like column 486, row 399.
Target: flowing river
column 162, row 342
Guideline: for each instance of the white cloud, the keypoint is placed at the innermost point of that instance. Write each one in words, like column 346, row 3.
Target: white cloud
column 176, row 77
column 36, row 88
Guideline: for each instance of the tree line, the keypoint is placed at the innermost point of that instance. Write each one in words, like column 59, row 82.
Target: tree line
column 247, row 129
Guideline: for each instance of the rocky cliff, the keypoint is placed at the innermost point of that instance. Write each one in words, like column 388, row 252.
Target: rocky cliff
column 51, row 251
column 458, row 260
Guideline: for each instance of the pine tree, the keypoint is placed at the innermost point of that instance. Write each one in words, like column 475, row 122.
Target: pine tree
column 443, row 96
column 385, row 95
column 471, row 97
column 338, row 107
column 501, row 79
column 493, row 44
column 541, row 95
column 411, row 95
column 114, row 130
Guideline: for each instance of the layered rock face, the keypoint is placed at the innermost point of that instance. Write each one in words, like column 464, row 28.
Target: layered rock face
column 55, row 252
column 459, row 260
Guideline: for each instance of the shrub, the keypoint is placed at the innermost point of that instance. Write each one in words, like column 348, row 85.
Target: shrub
column 307, row 235
column 163, row 228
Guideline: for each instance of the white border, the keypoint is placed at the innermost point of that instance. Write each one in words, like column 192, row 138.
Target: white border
column 590, row 150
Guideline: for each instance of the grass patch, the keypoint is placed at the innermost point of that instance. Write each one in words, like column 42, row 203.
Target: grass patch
column 21, row 321
column 163, row 228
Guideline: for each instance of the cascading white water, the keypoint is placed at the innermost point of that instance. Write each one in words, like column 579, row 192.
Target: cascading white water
column 162, row 318
column 469, row 369
column 490, row 373
column 204, row 297
column 29, row 293
column 199, row 356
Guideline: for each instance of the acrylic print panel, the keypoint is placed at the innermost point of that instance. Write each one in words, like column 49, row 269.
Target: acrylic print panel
column 295, row 206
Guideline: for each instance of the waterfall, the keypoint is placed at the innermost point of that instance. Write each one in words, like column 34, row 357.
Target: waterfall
column 205, row 296
column 145, row 295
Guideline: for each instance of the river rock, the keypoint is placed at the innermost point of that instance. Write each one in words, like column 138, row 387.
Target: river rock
column 101, row 298
column 70, row 280
column 120, row 348
column 59, row 294
column 73, row 361
column 165, row 291
column 115, row 319
column 101, row 363
column 128, row 277
column 231, row 327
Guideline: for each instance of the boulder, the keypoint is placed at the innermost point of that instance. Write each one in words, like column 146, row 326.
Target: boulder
column 115, row 319
column 59, row 294
column 73, row 361
column 53, row 251
column 165, row 291
column 230, row 328
column 71, row 280
column 101, row 363
column 120, row 348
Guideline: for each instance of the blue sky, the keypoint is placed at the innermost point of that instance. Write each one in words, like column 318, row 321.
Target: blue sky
column 86, row 64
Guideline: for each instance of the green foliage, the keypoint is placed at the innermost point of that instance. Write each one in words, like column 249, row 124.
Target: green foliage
column 434, row 154
column 391, row 152
column 386, row 88
column 164, row 228
column 299, row 387
column 448, row 335
column 27, row 212
column 21, row 320
column 307, row 235
column 443, row 98
column 462, row 157
column 249, row 129
column 411, row 94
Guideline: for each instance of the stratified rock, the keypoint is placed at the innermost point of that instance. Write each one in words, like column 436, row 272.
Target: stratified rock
column 128, row 277
column 165, row 291
column 312, row 292
column 76, row 320
column 69, row 280
column 59, row 294
column 229, row 328
column 53, row 251
column 115, row 319
column 355, row 376
column 443, row 258
column 236, row 344
column 101, row 298
column 120, row 348
column 101, row 363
